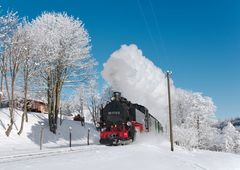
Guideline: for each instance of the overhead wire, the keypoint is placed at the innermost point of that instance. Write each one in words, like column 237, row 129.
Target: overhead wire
column 162, row 43
column 148, row 27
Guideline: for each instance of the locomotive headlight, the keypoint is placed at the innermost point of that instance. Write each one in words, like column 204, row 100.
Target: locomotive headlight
column 97, row 125
column 129, row 123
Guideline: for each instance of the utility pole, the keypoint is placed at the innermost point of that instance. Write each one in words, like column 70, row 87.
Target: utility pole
column 168, row 74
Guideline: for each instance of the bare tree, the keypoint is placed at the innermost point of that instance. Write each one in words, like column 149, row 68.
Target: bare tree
column 8, row 24
column 93, row 100
column 29, row 64
column 10, row 60
column 79, row 100
column 106, row 95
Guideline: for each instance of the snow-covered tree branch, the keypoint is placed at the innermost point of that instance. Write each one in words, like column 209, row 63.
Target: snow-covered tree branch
column 10, row 59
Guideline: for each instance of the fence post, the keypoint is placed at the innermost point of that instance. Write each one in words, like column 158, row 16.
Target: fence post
column 41, row 135
column 70, row 136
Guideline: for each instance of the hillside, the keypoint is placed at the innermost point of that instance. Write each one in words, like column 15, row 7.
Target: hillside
column 235, row 122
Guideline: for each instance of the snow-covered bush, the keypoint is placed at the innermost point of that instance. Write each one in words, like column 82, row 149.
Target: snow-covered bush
column 230, row 139
column 193, row 118
column 185, row 137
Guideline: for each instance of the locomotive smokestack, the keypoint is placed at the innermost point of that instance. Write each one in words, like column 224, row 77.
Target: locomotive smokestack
column 117, row 95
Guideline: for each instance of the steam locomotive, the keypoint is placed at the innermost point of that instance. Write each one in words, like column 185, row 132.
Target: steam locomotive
column 120, row 120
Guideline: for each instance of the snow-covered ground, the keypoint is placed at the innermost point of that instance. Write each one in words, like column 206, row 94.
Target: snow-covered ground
column 30, row 138
column 149, row 151
column 139, row 155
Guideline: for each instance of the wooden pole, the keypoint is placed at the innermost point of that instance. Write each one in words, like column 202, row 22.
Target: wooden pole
column 170, row 109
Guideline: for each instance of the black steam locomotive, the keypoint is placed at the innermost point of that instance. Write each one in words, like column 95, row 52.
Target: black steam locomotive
column 120, row 119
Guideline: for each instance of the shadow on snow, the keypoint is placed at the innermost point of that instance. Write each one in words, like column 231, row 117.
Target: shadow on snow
column 61, row 138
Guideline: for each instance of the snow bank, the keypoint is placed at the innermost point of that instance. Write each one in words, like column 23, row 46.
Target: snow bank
column 139, row 80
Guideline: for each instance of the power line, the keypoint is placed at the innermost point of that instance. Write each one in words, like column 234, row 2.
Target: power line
column 158, row 30
column 147, row 26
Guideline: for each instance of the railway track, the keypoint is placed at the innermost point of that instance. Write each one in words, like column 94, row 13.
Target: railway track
column 48, row 153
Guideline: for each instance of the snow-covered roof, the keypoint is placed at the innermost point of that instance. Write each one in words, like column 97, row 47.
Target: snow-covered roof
column 37, row 100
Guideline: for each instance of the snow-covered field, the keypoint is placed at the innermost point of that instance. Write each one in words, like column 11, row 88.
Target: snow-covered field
column 149, row 151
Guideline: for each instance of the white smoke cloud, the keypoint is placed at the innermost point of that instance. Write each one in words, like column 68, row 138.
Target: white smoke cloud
column 138, row 79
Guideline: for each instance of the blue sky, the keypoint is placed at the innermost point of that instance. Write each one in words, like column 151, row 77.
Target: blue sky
column 198, row 40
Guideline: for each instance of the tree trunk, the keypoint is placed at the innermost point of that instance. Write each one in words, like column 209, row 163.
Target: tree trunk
column 52, row 103
column 1, row 88
column 56, row 109
column 26, row 93
column 22, row 123
column 8, row 95
column 53, row 109
column 55, row 83
column 11, row 105
column 49, row 104
column 81, row 107
column 198, row 131
column 24, row 115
